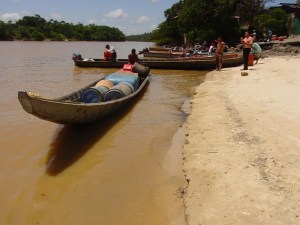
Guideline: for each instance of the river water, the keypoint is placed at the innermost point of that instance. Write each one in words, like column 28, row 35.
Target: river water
column 123, row 170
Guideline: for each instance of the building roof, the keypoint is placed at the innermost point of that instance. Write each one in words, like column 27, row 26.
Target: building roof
column 290, row 8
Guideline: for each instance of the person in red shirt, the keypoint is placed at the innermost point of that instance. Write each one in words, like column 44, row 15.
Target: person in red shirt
column 110, row 53
column 247, row 42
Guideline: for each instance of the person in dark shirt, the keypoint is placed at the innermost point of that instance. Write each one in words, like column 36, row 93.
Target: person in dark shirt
column 133, row 57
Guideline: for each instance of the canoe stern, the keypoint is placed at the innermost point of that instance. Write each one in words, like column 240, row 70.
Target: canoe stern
column 25, row 101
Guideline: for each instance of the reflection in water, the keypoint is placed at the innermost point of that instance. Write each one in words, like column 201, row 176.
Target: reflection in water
column 70, row 143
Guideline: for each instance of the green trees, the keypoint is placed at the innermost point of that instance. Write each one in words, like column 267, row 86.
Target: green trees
column 197, row 21
column 36, row 28
column 275, row 20
column 205, row 20
column 140, row 37
column 169, row 30
column 6, row 31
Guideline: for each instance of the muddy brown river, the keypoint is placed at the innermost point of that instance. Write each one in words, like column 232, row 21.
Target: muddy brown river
column 124, row 170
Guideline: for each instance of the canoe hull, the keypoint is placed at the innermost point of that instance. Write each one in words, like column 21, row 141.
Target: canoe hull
column 196, row 63
column 68, row 110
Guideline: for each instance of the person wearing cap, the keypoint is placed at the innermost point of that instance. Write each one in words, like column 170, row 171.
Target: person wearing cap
column 133, row 57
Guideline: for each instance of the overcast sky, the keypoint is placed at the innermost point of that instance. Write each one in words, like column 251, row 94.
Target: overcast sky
column 130, row 16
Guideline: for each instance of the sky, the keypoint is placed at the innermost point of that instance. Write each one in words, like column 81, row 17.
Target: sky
column 130, row 16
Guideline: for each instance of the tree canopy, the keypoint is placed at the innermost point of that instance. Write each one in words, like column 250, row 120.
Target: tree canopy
column 36, row 28
column 205, row 20
column 140, row 37
column 275, row 20
column 188, row 20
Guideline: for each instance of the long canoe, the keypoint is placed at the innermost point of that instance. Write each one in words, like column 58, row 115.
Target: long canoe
column 69, row 109
column 192, row 63
column 162, row 54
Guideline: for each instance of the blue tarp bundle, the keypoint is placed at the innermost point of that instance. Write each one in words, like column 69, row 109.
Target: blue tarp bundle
column 116, row 78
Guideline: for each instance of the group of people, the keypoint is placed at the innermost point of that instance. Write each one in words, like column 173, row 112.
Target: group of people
column 248, row 46
column 218, row 49
column 110, row 54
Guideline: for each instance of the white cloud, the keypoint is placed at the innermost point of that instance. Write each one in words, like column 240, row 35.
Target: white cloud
column 119, row 13
column 10, row 16
column 24, row 12
column 143, row 19
column 154, row 26
column 56, row 16
column 154, row 0
column 91, row 21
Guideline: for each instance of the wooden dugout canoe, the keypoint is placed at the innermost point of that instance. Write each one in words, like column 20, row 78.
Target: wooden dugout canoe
column 192, row 63
column 69, row 109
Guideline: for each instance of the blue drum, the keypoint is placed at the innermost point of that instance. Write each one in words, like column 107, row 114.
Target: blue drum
column 94, row 94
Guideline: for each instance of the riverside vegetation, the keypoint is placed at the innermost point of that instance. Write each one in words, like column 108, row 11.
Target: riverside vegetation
column 187, row 21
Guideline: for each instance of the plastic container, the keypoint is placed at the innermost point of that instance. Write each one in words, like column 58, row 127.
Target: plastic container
column 127, row 67
column 105, row 83
column 117, row 78
column 119, row 91
column 94, row 94
column 250, row 59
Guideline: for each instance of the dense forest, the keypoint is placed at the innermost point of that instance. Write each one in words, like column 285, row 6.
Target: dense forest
column 140, row 37
column 36, row 28
column 187, row 21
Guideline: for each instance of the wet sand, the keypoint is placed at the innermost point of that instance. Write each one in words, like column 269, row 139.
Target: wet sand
column 242, row 151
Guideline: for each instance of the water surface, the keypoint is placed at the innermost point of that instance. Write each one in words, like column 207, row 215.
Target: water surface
column 122, row 170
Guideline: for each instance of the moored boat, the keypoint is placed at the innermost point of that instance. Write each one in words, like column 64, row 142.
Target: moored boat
column 181, row 63
column 162, row 54
column 88, row 104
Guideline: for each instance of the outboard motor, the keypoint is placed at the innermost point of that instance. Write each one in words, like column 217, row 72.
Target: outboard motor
column 76, row 56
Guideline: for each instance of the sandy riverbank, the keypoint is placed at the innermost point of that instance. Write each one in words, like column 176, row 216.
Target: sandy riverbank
column 242, row 151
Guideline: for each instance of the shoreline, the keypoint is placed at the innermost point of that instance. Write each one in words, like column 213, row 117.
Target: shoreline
column 242, row 148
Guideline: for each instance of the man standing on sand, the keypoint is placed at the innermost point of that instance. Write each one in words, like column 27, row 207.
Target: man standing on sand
column 219, row 54
column 247, row 42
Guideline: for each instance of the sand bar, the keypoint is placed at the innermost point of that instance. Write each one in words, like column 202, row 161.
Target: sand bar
column 242, row 151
